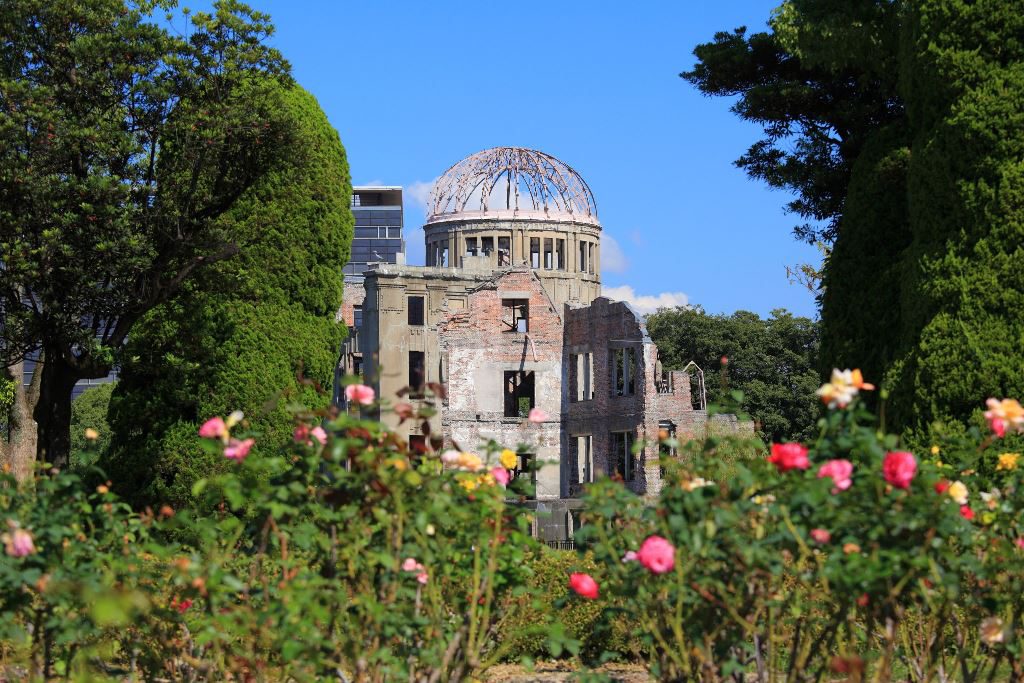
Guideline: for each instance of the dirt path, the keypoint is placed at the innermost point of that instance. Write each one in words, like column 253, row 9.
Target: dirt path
column 552, row 672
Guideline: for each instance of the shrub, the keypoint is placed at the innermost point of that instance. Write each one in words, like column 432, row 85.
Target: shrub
column 845, row 556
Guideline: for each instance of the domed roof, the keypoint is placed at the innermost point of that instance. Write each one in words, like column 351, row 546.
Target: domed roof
column 512, row 182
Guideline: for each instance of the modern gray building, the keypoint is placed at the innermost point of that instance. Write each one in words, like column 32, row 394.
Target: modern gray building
column 378, row 234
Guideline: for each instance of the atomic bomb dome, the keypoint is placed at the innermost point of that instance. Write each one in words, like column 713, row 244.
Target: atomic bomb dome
column 512, row 182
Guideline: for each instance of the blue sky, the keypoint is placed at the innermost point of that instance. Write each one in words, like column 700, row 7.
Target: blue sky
column 412, row 87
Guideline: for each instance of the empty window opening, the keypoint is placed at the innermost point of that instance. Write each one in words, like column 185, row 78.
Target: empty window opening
column 622, row 455
column 583, row 257
column 442, row 254
column 535, row 252
column 515, row 315
column 518, row 393
column 488, row 245
column 581, row 377
column 416, row 310
column 584, row 459
column 417, row 367
column 666, row 433
column 548, row 252
column 525, row 469
column 590, row 257
column 504, row 251
column 622, row 365
column 471, row 246
column 560, row 254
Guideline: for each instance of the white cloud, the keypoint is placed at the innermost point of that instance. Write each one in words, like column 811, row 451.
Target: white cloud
column 613, row 259
column 370, row 183
column 645, row 303
column 418, row 193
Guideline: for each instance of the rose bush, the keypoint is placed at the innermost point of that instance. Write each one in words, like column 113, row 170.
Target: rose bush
column 846, row 556
column 345, row 555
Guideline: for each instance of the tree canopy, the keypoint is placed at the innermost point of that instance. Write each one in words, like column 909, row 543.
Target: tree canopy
column 898, row 126
column 238, row 335
column 121, row 145
column 773, row 362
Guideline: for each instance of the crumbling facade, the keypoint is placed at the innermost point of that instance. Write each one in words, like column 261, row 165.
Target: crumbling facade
column 507, row 314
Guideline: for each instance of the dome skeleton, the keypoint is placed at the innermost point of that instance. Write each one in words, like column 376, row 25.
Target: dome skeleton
column 552, row 186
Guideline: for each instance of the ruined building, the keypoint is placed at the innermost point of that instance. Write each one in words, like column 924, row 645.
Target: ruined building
column 507, row 313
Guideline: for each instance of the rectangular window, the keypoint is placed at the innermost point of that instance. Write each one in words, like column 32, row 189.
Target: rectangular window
column 488, row 245
column 583, row 257
column 560, row 254
column 442, row 254
column 525, row 469
column 504, row 251
column 518, row 393
column 417, row 368
column 588, row 377
column 416, row 311
column 535, row 252
column 584, row 459
column 515, row 315
column 548, row 252
column 357, row 317
column 471, row 246
column 621, row 455
column 622, row 371
column 590, row 258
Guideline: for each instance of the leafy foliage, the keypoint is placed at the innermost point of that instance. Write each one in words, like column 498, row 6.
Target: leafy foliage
column 783, row 570
column 240, row 335
column 89, row 411
column 351, row 556
column 121, row 146
column 773, row 362
column 962, row 290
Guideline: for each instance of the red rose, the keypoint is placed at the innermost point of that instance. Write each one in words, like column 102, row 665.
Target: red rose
column 789, row 456
column 899, row 468
column 584, row 585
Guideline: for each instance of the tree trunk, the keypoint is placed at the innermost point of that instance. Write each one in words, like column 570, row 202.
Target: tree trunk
column 18, row 449
column 53, row 411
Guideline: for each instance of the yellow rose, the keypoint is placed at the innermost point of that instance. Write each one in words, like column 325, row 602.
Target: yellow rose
column 935, row 450
column 1008, row 461
column 958, row 492
column 508, row 459
column 468, row 484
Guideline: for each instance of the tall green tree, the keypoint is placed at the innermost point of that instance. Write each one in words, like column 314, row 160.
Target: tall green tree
column 239, row 335
column 922, row 286
column 773, row 362
column 963, row 288
column 121, row 146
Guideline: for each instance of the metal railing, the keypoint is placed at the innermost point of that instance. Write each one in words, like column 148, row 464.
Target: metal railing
column 562, row 545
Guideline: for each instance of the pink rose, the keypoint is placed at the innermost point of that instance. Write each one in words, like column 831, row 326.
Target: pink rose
column 237, row 450
column 537, row 415
column 657, row 554
column 423, row 577
column 840, row 471
column 451, row 457
column 319, row 434
column 1020, row 542
column 411, row 565
column 789, row 456
column 19, row 543
column 630, row 556
column 584, row 585
column 821, row 535
column 998, row 426
column 214, row 428
column 301, row 434
column 359, row 393
column 898, row 468
column 500, row 475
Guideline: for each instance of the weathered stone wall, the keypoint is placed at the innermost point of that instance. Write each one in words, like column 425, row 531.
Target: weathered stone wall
column 479, row 348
